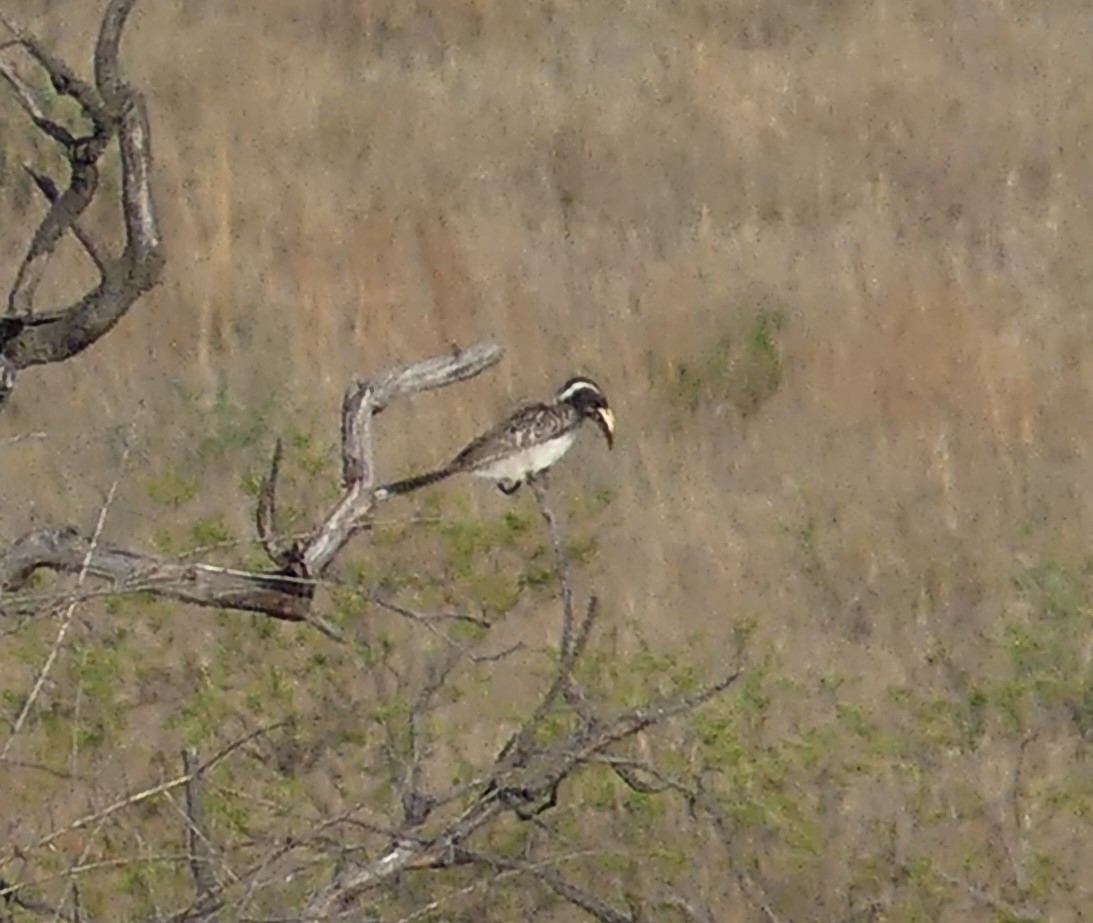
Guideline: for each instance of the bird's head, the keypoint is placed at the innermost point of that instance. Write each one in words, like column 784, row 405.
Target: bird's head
column 585, row 395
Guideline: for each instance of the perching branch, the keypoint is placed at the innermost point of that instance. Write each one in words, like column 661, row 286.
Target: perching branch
column 436, row 821
column 538, row 486
column 363, row 400
column 283, row 594
column 524, row 780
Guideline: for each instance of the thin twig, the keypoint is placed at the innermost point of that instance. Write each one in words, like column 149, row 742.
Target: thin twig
column 570, row 648
column 67, row 620
column 197, row 838
column 1025, row 912
column 23, row 437
column 517, row 745
column 33, row 107
column 265, row 513
column 49, row 189
column 428, row 619
column 541, row 872
column 416, row 806
column 539, row 488
column 64, row 80
column 143, row 795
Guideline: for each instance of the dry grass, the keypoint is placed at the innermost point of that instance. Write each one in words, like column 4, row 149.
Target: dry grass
column 613, row 190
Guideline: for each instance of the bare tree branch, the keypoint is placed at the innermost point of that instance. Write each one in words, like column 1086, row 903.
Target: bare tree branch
column 1025, row 912
column 64, row 79
column 18, row 892
column 362, row 401
column 286, row 557
column 517, row 748
column 197, row 835
column 698, row 799
column 353, row 880
column 65, row 549
column 524, row 779
column 49, row 189
column 62, row 214
column 433, row 827
column 416, row 805
column 33, row 107
column 570, row 648
column 589, row 903
column 512, row 785
column 281, row 595
column 107, row 74
column 539, row 487
column 7, row 373
column 423, row 618
column 71, row 609
column 114, row 110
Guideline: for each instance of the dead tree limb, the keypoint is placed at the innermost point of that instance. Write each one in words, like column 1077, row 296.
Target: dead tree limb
column 65, row 549
column 265, row 515
column 525, row 777
column 18, row 893
column 115, row 110
column 434, row 825
column 538, row 486
column 363, row 400
column 197, row 833
column 510, row 789
column 277, row 594
column 644, row 778
column 27, row 338
column 543, row 873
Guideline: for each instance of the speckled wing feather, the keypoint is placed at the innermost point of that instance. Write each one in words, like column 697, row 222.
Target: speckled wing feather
column 528, row 426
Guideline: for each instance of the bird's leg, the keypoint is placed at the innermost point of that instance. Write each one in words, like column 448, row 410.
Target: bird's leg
column 540, row 477
column 507, row 487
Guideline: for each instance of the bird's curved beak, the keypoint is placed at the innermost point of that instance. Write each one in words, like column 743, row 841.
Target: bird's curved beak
column 605, row 419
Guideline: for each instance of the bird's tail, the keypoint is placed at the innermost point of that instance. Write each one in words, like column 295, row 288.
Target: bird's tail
column 411, row 484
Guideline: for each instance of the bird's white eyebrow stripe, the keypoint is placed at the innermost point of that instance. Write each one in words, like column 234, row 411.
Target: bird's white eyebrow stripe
column 581, row 384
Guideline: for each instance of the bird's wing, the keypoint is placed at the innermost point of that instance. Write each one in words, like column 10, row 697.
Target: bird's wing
column 527, row 426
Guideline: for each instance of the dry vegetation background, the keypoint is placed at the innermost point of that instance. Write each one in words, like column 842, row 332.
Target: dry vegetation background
column 830, row 261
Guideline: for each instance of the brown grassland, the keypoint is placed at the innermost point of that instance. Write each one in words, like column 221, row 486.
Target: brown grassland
column 831, row 263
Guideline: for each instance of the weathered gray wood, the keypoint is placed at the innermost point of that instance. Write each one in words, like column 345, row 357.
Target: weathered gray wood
column 114, row 110
column 363, row 400
column 287, row 592
column 64, row 550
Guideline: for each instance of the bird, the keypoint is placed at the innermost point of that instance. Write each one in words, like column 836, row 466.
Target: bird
column 524, row 444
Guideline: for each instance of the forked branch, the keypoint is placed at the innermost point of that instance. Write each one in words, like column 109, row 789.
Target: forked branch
column 115, row 110
column 525, row 778
column 285, row 593
column 363, row 400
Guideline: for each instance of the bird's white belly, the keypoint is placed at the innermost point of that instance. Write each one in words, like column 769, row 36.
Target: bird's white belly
column 527, row 461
